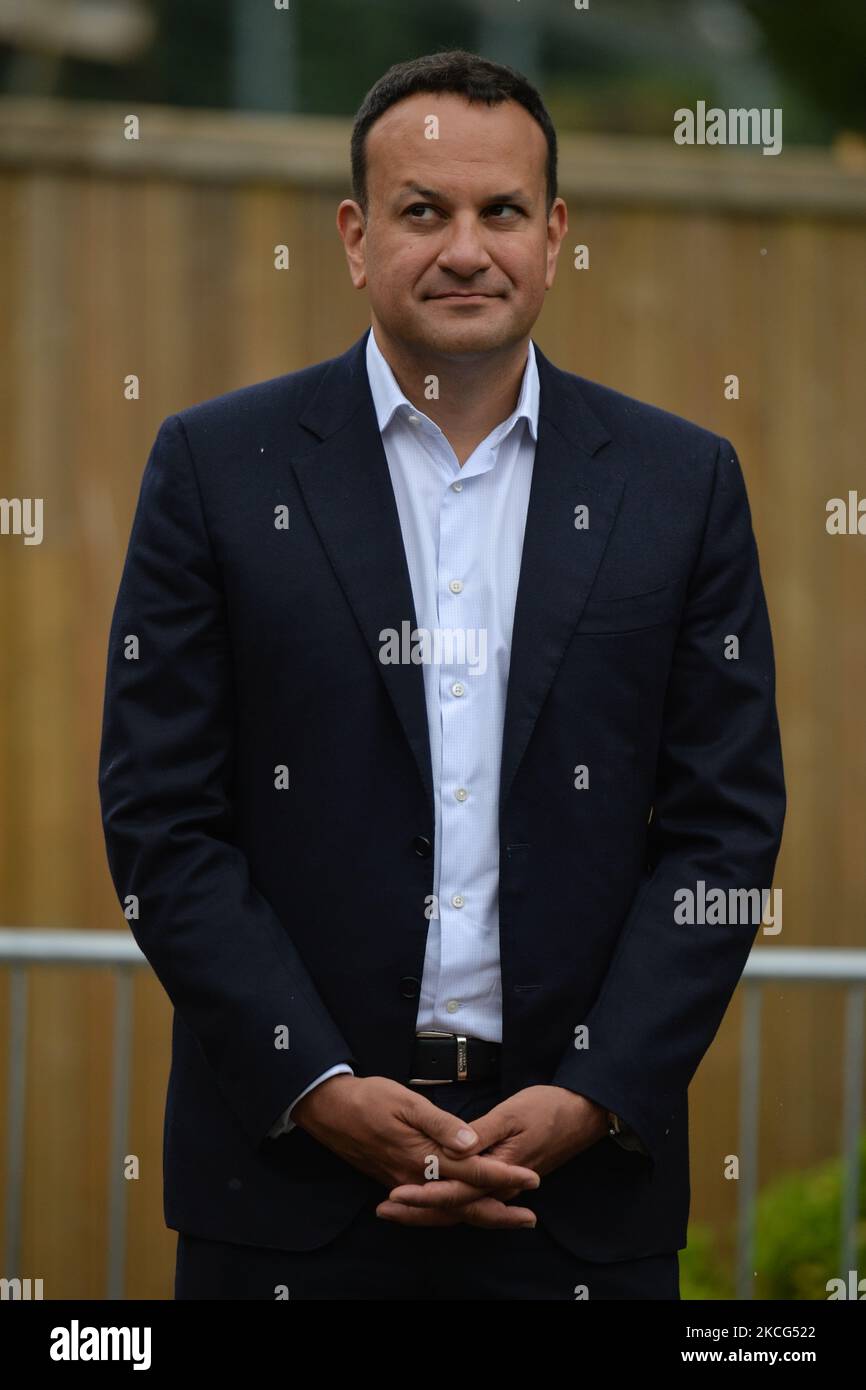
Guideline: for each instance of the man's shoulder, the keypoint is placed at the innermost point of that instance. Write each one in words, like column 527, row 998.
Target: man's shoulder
column 274, row 404
column 644, row 432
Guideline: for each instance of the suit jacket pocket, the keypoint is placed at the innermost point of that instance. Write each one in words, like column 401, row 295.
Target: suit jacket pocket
column 631, row 612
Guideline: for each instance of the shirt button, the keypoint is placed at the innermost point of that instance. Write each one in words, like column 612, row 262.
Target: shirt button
column 452, row 1006
column 456, row 586
column 456, row 487
column 458, row 688
column 458, row 900
column 413, row 419
column 461, row 794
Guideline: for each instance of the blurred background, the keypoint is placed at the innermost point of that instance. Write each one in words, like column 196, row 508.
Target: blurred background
column 138, row 276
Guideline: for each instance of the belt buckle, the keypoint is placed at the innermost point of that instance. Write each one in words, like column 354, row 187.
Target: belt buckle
column 462, row 1059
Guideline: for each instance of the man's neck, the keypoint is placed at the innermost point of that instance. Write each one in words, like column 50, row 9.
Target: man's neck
column 475, row 393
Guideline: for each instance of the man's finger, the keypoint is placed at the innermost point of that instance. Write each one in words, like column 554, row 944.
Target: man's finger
column 489, row 1213
column 486, row 1211
column 447, row 1129
column 482, row 1171
column 446, row 1194
column 497, row 1124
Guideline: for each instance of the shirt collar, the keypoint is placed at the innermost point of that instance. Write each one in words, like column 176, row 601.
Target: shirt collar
column 388, row 397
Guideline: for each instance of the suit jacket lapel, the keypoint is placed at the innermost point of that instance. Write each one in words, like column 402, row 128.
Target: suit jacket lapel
column 346, row 485
column 559, row 561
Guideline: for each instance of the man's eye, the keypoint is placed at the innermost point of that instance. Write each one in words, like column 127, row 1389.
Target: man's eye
column 417, row 208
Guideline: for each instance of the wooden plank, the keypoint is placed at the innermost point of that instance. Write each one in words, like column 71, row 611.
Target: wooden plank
column 313, row 152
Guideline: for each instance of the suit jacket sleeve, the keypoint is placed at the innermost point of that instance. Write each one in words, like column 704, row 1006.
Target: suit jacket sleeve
column 718, row 812
column 224, row 958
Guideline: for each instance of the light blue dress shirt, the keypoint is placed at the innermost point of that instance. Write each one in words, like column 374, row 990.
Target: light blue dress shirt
column 463, row 537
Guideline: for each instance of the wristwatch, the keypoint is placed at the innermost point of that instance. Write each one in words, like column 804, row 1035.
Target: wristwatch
column 623, row 1134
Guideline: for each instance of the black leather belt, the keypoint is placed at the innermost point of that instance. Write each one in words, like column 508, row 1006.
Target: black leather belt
column 440, row 1057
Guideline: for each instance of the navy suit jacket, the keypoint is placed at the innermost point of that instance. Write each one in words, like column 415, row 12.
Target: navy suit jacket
column 246, row 639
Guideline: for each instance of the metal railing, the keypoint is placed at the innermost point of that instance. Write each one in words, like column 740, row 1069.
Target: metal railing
column 23, row 948
column 799, row 966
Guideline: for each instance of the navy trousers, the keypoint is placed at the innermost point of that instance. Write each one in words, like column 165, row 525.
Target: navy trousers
column 376, row 1259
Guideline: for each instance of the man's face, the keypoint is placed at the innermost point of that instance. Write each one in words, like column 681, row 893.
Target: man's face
column 457, row 250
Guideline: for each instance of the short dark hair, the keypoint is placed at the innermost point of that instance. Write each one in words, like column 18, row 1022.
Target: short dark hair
column 476, row 78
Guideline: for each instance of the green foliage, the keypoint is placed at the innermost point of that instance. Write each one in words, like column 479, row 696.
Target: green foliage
column 702, row 1272
column 628, row 70
column 798, row 1244
column 822, row 60
column 797, row 1249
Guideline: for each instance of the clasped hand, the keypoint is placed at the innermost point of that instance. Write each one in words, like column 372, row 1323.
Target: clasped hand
column 391, row 1133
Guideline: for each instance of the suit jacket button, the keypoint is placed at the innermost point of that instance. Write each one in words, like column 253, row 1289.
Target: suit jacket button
column 422, row 846
column 410, row 987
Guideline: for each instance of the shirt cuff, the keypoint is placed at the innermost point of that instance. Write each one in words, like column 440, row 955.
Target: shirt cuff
column 284, row 1124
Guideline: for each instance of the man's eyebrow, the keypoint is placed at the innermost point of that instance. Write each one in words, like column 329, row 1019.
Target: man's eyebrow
column 515, row 196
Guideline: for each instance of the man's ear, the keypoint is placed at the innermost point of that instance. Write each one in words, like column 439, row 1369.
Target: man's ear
column 352, row 227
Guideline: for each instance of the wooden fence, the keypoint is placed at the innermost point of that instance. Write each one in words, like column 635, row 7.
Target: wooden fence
column 156, row 258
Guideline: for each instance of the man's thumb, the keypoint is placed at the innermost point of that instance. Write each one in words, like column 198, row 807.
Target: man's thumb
column 447, row 1129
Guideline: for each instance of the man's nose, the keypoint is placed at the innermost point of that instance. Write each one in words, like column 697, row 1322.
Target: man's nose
column 463, row 251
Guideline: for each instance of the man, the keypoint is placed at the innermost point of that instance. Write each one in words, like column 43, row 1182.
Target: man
column 421, row 708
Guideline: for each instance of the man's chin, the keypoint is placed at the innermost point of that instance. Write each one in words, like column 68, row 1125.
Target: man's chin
column 467, row 335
